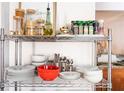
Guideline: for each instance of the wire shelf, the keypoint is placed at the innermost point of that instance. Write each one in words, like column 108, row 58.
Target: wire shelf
column 80, row 84
column 57, row 38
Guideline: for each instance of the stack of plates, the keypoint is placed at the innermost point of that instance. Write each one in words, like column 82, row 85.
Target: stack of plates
column 19, row 73
column 38, row 60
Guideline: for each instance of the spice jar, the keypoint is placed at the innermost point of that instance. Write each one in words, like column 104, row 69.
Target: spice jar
column 80, row 27
column 90, row 27
column 86, row 27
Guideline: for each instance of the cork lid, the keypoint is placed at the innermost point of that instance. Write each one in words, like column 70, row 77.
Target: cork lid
column 30, row 11
column 19, row 10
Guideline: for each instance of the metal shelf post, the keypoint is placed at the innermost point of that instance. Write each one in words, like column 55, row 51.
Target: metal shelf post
column 2, row 58
column 109, row 59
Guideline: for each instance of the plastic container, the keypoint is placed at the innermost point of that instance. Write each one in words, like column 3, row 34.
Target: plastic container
column 48, row 72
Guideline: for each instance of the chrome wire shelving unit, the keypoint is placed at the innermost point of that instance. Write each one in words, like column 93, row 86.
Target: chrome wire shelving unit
column 107, row 84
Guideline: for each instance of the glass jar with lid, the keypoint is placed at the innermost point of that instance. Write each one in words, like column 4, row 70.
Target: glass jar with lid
column 17, row 25
column 30, row 25
column 39, row 23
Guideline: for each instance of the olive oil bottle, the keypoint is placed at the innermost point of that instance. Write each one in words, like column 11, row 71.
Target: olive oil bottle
column 48, row 25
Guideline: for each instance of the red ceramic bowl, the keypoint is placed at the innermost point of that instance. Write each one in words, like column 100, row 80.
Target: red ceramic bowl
column 48, row 72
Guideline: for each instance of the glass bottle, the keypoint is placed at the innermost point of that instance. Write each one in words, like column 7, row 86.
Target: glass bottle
column 48, row 26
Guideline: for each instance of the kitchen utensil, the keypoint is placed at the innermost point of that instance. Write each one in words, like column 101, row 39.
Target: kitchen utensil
column 69, row 75
column 48, row 72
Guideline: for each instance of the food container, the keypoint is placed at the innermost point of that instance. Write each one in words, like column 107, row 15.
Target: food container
column 18, row 26
column 48, row 72
column 30, row 25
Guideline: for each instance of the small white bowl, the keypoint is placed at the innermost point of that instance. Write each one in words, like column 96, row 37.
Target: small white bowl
column 93, row 72
column 93, row 79
column 39, row 58
column 69, row 75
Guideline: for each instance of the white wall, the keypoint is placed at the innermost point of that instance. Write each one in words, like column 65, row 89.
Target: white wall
column 110, row 6
column 80, row 52
column 67, row 12
column 0, row 15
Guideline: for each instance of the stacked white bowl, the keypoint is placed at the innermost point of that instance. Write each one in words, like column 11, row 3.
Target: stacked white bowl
column 20, row 73
column 91, row 73
column 39, row 60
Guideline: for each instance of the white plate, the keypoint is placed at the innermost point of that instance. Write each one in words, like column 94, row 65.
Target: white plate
column 69, row 75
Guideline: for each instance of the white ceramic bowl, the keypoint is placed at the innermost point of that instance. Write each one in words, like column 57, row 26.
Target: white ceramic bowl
column 93, row 72
column 37, row 64
column 69, row 75
column 93, row 79
column 39, row 58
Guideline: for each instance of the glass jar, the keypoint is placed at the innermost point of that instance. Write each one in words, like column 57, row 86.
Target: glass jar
column 39, row 23
column 18, row 25
column 30, row 26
